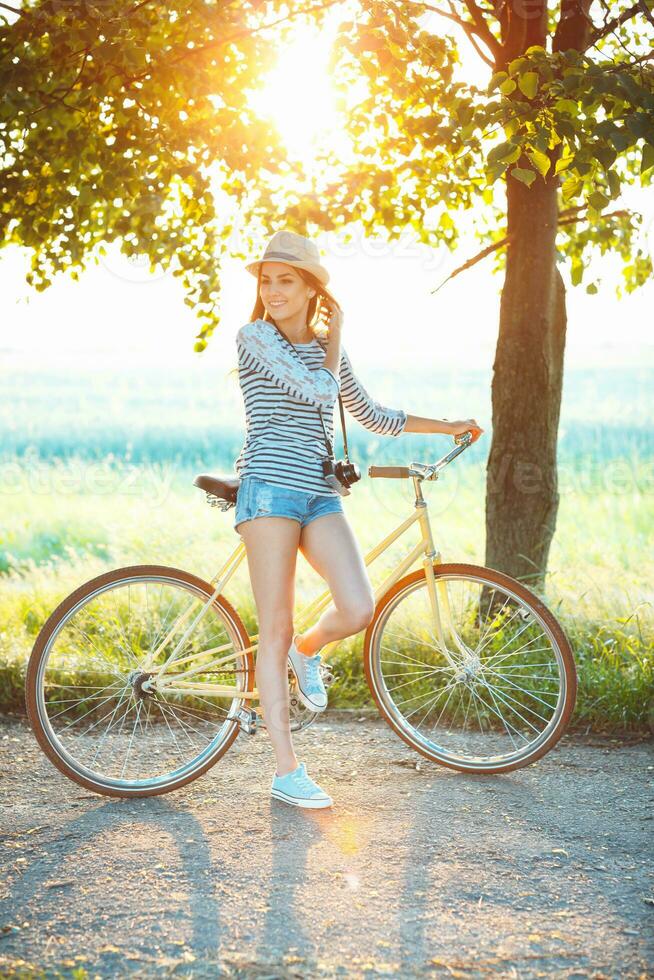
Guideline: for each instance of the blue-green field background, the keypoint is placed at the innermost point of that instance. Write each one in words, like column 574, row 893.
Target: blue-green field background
column 96, row 471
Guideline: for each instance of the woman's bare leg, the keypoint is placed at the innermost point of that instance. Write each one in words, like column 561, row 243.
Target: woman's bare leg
column 329, row 545
column 271, row 545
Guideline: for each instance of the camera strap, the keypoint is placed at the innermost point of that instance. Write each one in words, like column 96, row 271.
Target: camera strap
column 330, row 450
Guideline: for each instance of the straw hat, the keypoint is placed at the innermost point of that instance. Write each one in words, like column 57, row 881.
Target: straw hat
column 286, row 246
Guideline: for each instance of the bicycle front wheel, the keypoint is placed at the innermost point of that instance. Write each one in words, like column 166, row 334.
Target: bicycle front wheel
column 93, row 688
column 493, row 691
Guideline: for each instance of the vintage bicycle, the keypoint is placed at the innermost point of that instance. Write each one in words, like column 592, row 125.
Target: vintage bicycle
column 143, row 677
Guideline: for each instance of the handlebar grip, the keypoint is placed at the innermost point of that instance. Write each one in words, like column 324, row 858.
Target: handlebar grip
column 391, row 472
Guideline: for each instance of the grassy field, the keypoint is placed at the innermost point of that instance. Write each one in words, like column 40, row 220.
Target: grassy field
column 97, row 472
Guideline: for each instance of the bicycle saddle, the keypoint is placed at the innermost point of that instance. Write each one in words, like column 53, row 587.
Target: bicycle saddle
column 220, row 486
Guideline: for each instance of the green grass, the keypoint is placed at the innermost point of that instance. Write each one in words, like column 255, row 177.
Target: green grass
column 96, row 470
column 65, row 521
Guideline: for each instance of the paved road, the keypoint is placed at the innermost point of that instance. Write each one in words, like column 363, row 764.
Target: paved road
column 415, row 872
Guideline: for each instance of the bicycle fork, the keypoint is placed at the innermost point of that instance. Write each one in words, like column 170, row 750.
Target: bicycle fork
column 439, row 599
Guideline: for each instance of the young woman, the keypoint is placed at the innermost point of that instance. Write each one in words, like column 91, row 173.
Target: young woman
column 284, row 502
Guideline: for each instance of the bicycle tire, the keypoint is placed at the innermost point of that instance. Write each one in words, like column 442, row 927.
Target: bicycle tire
column 43, row 731
column 492, row 577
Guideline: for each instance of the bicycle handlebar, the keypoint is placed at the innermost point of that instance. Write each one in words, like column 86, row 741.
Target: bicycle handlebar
column 426, row 471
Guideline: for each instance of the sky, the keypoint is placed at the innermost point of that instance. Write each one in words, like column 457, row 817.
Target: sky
column 393, row 319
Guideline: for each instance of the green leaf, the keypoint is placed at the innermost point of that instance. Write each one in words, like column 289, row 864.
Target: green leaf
column 567, row 128
column 554, row 139
column 638, row 123
column 647, row 161
column 524, row 176
column 598, row 200
column 511, row 127
column 515, row 66
column 614, row 183
column 541, row 161
column 563, row 163
column 576, row 271
column 621, row 138
column 606, row 155
column 571, row 80
column 508, row 86
column 571, row 187
column 529, row 84
column 591, row 288
column 496, row 78
column 566, row 106
column 505, row 153
column 542, row 140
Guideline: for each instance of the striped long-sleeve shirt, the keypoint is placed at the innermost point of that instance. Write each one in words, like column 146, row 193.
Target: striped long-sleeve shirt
column 284, row 441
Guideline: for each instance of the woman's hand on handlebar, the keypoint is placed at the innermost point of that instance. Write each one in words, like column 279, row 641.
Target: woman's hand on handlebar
column 466, row 425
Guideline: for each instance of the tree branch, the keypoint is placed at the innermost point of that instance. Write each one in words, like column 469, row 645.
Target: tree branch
column 52, row 98
column 469, row 28
column 565, row 218
column 646, row 12
column 473, row 261
column 14, row 10
column 612, row 214
column 484, row 30
column 611, row 25
column 470, row 34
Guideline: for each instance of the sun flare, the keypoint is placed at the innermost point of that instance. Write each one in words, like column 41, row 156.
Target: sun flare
column 298, row 95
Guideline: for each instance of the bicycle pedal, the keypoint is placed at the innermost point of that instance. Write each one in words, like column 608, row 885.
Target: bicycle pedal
column 327, row 674
column 246, row 718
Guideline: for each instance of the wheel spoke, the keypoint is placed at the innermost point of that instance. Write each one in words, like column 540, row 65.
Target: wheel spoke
column 494, row 708
column 400, row 653
column 89, row 697
column 506, row 698
column 509, row 729
column 521, row 650
column 452, row 689
column 94, row 707
column 100, row 659
column 184, row 725
column 519, row 633
column 103, row 739
column 89, row 683
column 524, row 690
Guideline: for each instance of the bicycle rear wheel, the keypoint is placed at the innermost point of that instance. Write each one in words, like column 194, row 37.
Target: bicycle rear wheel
column 95, row 658
column 508, row 694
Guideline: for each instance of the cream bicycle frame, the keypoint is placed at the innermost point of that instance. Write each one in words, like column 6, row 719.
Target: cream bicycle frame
column 180, row 683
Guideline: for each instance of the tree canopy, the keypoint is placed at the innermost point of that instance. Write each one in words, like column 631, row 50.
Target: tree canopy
column 427, row 142
column 119, row 121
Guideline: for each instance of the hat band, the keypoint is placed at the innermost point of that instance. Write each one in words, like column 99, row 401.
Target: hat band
column 283, row 255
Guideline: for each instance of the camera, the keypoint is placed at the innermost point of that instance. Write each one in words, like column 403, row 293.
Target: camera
column 340, row 474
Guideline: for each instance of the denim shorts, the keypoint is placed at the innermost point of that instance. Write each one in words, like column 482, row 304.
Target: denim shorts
column 258, row 498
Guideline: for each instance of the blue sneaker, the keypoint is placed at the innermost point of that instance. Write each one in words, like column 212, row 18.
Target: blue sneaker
column 298, row 789
column 311, row 689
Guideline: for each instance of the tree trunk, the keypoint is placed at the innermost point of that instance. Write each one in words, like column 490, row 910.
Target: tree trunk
column 521, row 492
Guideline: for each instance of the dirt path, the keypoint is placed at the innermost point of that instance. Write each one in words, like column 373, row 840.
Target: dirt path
column 414, row 872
